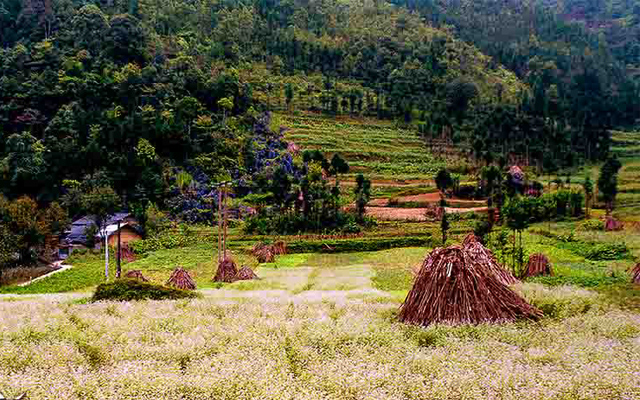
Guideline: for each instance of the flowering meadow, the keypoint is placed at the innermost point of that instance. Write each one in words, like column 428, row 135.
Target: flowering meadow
column 312, row 345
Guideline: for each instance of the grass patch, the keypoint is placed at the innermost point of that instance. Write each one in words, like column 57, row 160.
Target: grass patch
column 392, row 279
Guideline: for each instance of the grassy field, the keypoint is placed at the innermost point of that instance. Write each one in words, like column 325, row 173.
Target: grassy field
column 323, row 325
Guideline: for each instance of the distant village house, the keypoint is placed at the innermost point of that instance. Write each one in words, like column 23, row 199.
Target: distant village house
column 75, row 238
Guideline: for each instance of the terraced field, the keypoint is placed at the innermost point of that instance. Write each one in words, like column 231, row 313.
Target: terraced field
column 379, row 149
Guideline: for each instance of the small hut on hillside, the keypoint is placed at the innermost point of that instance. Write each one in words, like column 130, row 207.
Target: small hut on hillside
column 454, row 286
column 538, row 265
column 481, row 253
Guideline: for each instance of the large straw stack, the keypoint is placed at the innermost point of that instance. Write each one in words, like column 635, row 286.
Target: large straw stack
column 472, row 245
column 453, row 286
column 180, row 279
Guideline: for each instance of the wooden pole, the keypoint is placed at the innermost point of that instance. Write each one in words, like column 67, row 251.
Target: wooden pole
column 119, row 267
column 226, row 214
column 219, row 224
column 106, row 254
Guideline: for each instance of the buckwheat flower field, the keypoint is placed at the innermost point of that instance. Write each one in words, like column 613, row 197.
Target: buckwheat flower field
column 271, row 345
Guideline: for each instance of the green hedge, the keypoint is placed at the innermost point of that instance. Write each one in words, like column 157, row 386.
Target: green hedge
column 129, row 289
column 356, row 245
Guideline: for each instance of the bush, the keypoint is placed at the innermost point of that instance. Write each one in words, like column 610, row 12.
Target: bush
column 130, row 289
column 593, row 225
column 165, row 240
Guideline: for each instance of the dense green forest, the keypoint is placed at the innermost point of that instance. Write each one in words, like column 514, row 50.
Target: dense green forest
column 130, row 94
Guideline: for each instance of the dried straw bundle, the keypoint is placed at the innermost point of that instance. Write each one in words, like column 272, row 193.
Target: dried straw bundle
column 538, row 265
column 180, row 279
column 264, row 253
column 472, row 245
column 227, row 271
column 455, row 287
column 635, row 275
column 136, row 274
column 279, row 248
column 246, row 274
column 612, row 224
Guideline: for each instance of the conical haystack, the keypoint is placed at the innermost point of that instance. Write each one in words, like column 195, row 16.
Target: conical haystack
column 264, row 253
column 180, row 279
column 611, row 224
column 246, row 274
column 227, row 271
column 472, row 245
column 454, row 286
column 538, row 265
column 136, row 274
column 279, row 248
column 635, row 275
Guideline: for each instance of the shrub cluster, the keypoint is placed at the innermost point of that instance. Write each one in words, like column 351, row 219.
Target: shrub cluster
column 355, row 245
column 130, row 289
column 294, row 223
column 556, row 205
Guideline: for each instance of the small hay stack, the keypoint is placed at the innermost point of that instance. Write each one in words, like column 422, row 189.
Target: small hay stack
column 227, row 271
column 136, row 274
column 180, row 279
column 279, row 248
column 455, row 287
column 246, row 274
column 635, row 275
column 612, row 224
column 263, row 252
column 538, row 265
column 266, row 253
column 472, row 245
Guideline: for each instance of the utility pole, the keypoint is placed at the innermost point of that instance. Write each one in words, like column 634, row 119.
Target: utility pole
column 226, row 214
column 106, row 253
column 219, row 224
column 119, row 267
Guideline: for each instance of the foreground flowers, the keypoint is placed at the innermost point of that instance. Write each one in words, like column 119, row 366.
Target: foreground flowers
column 288, row 348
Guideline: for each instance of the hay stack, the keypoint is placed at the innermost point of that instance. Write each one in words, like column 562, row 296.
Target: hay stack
column 266, row 253
column 612, row 224
column 454, row 286
column 538, row 265
column 279, row 248
column 472, row 245
column 227, row 271
column 136, row 274
column 635, row 275
column 246, row 274
column 180, row 279
column 263, row 252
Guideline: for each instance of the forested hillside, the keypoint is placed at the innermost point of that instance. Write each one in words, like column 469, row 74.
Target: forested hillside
column 130, row 93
